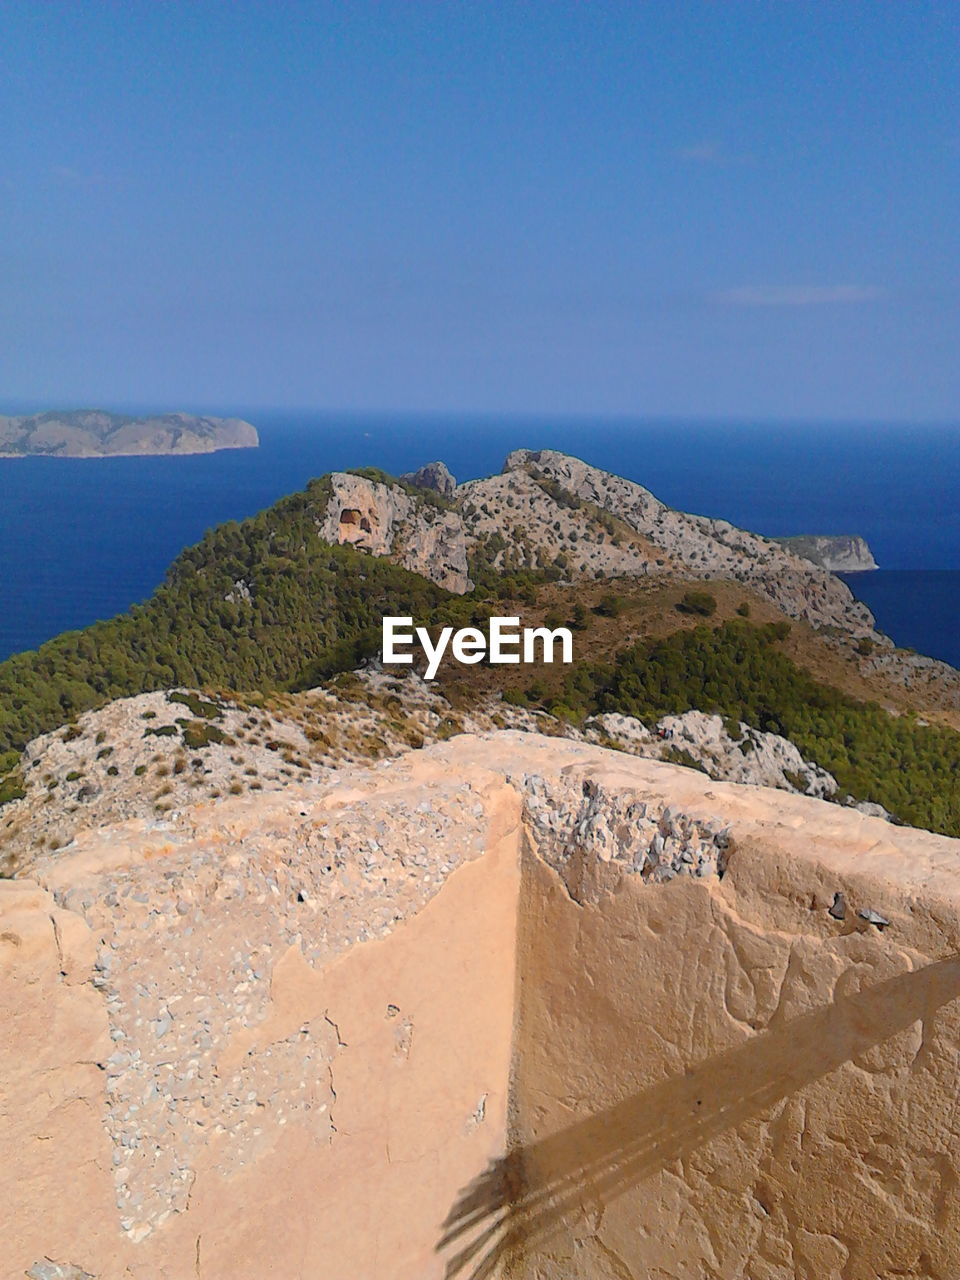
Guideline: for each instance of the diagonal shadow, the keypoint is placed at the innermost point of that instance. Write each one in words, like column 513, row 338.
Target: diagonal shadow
column 523, row 1195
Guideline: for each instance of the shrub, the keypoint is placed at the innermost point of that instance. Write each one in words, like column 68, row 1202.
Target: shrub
column 609, row 606
column 698, row 602
column 515, row 697
column 200, row 733
column 199, row 708
column 581, row 619
column 11, row 788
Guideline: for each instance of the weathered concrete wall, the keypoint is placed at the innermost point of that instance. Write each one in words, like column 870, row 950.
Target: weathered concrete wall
column 668, row 1049
column 764, row 1103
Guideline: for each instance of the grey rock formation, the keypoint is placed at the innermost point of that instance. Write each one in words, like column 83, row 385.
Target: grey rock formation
column 752, row 757
column 47, row 1270
column 386, row 521
column 704, row 547
column 435, row 476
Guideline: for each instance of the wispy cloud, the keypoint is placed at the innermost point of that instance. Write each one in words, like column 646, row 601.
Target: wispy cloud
column 712, row 153
column 803, row 295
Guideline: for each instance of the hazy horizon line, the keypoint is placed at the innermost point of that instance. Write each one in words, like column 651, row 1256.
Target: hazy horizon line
column 16, row 407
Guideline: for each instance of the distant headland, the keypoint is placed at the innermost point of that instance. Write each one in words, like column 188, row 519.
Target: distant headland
column 843, row 554
column 94, row 433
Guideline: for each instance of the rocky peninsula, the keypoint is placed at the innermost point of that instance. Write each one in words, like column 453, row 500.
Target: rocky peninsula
column 94, row 433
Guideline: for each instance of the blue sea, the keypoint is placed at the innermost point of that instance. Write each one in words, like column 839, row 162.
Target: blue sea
column 83, row 539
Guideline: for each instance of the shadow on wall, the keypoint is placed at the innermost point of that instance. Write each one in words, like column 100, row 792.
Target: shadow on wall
column 519, row 1199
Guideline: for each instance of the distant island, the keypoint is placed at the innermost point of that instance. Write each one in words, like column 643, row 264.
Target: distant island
column 845, row 553
column 93, row 433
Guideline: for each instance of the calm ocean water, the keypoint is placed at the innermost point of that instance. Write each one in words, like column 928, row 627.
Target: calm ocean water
column 81, row 540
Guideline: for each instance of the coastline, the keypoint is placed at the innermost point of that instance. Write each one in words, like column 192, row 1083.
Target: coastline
column 138, row 453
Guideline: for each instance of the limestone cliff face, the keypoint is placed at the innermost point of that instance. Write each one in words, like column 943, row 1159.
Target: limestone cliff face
column 509, row 1006
column 746, row 755
column 838, row 554
column 387, row 521
column 549, row 510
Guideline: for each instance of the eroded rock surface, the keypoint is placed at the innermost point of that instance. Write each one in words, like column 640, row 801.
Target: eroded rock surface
column 839, row 554
column 159, row 756
column 386, row 521
column 706, row 546
column 551, row 512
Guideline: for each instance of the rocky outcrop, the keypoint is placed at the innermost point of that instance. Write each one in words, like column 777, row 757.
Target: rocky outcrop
column 548, row 511
column 155, row 757
column 517, row 522
column 838, row 554
column 705, row 547
column 92, row 433
column 435, row 476
column 706, row 742
column 385, row 520
column 593, row 1014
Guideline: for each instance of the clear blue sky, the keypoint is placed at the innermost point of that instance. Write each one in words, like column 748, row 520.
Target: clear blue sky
column 726, row 209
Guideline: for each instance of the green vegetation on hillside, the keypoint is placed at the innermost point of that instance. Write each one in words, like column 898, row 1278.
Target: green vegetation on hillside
column 262, row 604
column 737, row 671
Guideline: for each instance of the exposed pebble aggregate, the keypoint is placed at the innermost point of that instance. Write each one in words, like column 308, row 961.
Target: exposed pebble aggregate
column 578, row 826
column 188, row 942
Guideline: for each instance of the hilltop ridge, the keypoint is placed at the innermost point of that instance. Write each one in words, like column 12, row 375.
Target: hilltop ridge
column 549, row 512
